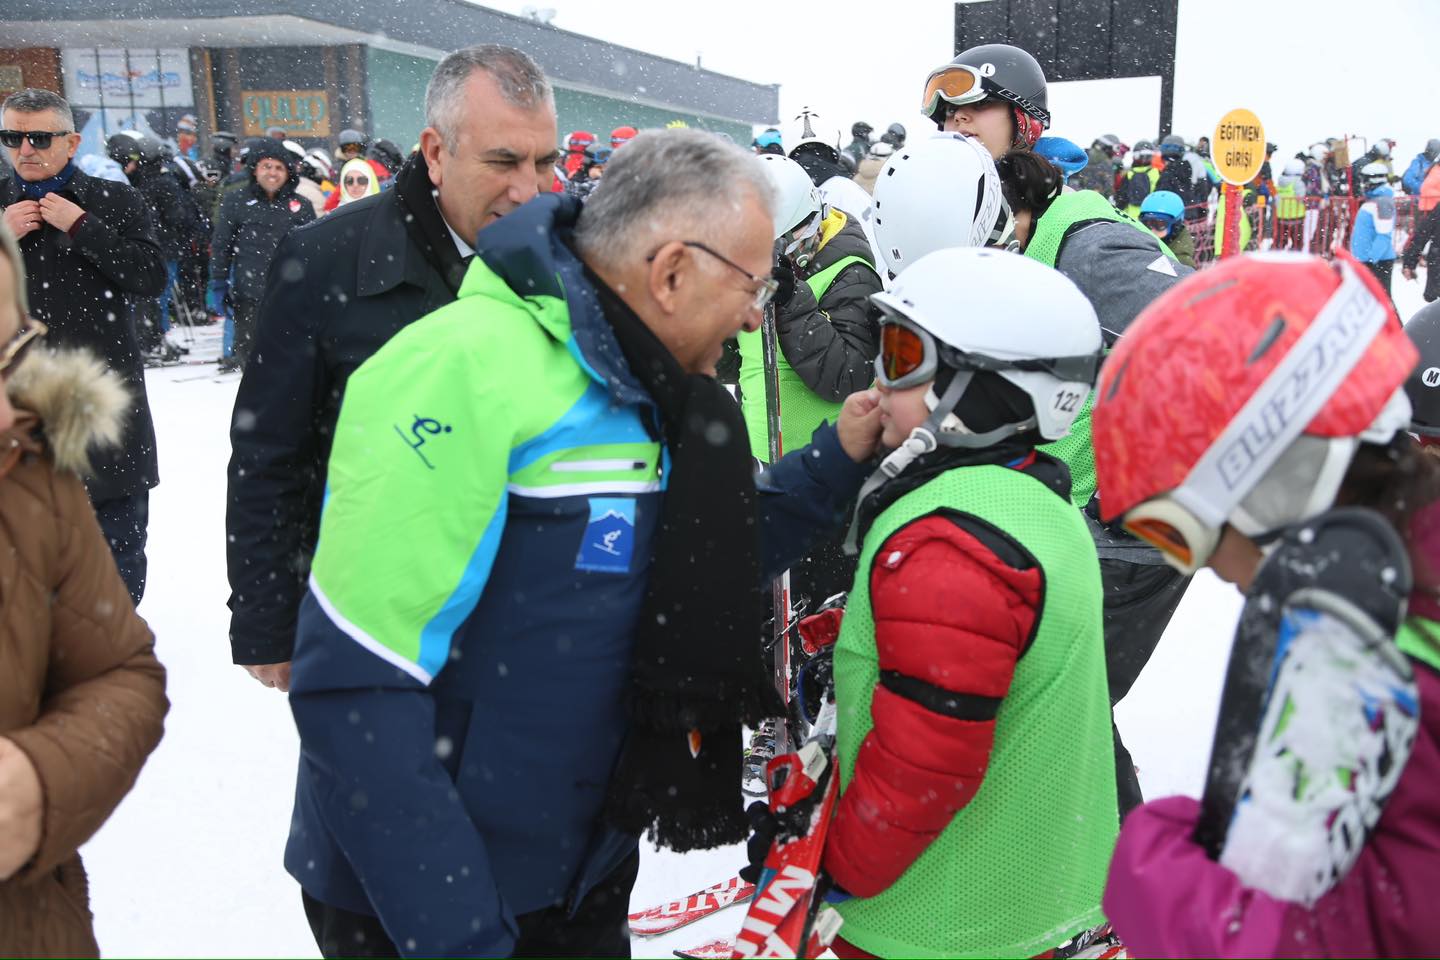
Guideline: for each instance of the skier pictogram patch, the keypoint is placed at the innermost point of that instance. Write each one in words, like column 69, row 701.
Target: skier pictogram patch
column 609, row 539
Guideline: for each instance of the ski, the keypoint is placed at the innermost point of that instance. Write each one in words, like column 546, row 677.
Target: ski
column 665, row 917
column 787, row 916
column 1314, row 661
column 780, row 588
column 717, row 949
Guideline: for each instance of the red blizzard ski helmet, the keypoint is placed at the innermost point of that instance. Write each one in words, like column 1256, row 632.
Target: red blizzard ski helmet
column 1219, row 380
column 622, row 135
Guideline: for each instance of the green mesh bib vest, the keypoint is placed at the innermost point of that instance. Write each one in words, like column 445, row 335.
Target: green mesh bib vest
column 801, row 410
column 1021, row 868
column 1068, row 210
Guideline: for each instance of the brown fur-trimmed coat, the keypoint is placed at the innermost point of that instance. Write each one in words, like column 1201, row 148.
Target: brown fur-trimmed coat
column 81, row 692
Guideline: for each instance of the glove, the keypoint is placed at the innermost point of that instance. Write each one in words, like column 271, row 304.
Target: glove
column 215, row 294
column 763, row 827
column 784, row 275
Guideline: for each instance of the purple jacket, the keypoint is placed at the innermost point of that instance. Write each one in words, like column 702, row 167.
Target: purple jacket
column 1165, row 898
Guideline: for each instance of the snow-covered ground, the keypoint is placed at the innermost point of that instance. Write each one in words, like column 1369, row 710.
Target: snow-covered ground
column 191, row 862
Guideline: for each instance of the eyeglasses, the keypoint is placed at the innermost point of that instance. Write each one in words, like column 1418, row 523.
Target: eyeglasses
column 20, row 345
column 39, row 139
column 357, row 181
column 765, row 287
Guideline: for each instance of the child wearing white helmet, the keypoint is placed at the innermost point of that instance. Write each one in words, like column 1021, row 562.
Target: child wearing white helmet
column 970, row 664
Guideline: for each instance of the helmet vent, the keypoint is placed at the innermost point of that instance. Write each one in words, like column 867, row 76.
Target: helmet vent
column 1272, row 333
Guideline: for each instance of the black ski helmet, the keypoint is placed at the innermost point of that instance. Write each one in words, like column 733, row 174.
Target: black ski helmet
column 1011, row 74
column 1423, row 387
column 894, row 135
column 861, row 130
column 387, row 153
column 125, row 146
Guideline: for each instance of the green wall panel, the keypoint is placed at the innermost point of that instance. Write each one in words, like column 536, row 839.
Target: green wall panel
column 588, row 111
column 397, row 95
column 397, row 105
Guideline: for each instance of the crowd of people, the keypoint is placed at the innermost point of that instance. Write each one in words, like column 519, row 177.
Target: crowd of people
column 499, row 527
column 1174, row 188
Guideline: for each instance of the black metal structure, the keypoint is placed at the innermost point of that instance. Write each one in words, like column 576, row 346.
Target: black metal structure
column 1082, row 39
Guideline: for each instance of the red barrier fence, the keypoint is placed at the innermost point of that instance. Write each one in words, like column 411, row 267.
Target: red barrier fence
column 1325, row 226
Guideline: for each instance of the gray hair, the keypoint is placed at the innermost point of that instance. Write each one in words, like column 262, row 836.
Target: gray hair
column 35, row 100
column 521, row 81
column 663, row 181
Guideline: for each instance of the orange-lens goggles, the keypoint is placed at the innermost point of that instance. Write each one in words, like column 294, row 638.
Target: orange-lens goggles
column 1163, row 537
column 902, row 352
column 954, row 83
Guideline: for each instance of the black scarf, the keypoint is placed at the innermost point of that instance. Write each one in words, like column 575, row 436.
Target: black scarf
column 425, row 226
column 697, row 661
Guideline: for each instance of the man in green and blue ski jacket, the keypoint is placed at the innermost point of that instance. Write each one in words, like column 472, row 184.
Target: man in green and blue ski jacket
column 504, row 472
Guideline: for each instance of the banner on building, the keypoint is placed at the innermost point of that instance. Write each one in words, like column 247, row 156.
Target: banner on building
column 302, row 113
column 127, row 79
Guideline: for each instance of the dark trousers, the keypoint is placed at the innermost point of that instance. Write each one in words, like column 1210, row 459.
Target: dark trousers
column 124, row 521
column 247, row 317
column 600, row 928
column 1383, row 270
column 1140, row 599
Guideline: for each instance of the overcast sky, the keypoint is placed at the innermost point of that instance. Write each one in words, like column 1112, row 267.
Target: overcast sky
column 1378, row 62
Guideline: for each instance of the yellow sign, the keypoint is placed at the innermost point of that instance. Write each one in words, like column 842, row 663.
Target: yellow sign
column 1238, row 147
column 302, row 113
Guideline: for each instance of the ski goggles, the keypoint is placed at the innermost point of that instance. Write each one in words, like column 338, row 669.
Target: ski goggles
column 1184, row 542
column 959, row 84
column 39, row 139
column 20, row 345
column 1157, row 221
column 909, row 357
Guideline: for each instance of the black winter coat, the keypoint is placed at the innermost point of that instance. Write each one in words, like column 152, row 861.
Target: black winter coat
column 83, row 289
column 355, row 279
column 832, row 344
column 247, row 231
column 172, row 211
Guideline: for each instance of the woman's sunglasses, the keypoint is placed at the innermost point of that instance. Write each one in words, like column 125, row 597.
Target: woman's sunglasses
column 357, row 181
column 39, row 139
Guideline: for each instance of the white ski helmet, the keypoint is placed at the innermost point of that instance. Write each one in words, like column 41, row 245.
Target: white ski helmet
column 1294, row 167
column 1375, row 174
column 938, row 192
column 797, row 199
column 1002, row 312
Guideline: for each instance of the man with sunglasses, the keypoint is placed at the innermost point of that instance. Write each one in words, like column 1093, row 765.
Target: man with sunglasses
column 90, row 254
